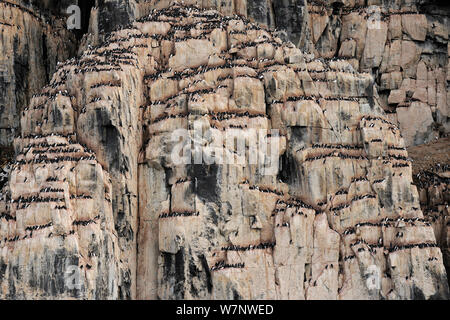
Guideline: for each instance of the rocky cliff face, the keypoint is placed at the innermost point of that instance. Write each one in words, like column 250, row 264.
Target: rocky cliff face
column 95, row 193
column 31, row 43
column 403, row 44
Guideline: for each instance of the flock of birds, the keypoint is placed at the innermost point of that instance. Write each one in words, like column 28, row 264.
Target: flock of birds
column 220, row 265
column 113, row 59
column 432, row 178
column 317, row 99
column 323, row 8
column 421, row 245
column 179, row 214
column 35, row 199
column 266, row 190
column 294, row 203
column 340, row 155
column 392, row 247
column 86, row 222
column 388, row 223
column 29, row 235
column 46, row 160
column 115, row 54
column 260, row 246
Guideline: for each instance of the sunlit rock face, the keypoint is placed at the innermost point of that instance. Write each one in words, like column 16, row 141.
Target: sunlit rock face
column 403, row 44
column 97, row 204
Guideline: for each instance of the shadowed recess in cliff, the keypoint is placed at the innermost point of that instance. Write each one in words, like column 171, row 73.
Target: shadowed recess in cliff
column 205, row 181
column 113, row 13
column 85, row 7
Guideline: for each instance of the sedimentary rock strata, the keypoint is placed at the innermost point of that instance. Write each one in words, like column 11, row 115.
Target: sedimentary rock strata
column 31, row 44
column 404, row 45
column 96, row 187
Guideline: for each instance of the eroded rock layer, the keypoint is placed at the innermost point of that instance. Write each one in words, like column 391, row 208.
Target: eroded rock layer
column 404, row 44
column 31, row 44
column 95, row 186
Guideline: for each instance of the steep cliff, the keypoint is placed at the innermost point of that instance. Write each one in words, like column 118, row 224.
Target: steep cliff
column 403, row 44
column 96, row 189
column 31, row 43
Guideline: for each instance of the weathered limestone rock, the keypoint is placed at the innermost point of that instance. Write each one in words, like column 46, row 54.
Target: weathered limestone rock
column 97, row 188
column 397, row 96
column 416, row 123
column 408, row 39
column 31, row 44
column 415, row 26
column 379, row 37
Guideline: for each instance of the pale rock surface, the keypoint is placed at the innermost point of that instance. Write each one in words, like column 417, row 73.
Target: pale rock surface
column 416, row 122
column 94, row 183
column 394, row 36
column 405, row 38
